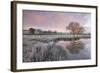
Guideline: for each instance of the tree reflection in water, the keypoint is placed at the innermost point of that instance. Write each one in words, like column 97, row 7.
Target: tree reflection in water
column 75, row 46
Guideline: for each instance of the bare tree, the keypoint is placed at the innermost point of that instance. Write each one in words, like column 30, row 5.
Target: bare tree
column 75, row 28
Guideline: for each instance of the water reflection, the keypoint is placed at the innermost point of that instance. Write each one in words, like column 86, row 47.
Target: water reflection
column 77, row 49
column 75, row 46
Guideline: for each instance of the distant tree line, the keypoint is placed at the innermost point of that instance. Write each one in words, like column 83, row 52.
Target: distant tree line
column 39, row 31
column 74, row 28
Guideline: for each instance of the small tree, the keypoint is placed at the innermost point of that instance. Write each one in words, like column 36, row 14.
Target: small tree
column 31, row 30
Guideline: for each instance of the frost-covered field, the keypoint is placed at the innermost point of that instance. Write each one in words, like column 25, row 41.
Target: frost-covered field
column 50, row 37
column 40, row 51
column 36, row 48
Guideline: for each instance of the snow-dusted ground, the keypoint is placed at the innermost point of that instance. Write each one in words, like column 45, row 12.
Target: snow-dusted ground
column 37, row 51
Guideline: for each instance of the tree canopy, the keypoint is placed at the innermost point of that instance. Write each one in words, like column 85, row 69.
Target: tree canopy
column 75, row 28
column 32, row 30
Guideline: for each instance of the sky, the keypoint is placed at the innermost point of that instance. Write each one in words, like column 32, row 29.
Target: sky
column 54, row 21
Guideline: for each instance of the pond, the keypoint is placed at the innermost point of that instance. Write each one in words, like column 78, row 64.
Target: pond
column 80, row 49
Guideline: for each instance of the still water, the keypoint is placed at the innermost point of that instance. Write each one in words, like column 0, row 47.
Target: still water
column 80, row 49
